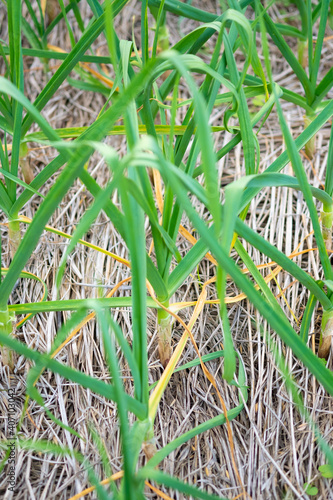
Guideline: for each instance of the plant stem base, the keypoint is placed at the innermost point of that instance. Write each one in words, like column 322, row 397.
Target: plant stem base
column 6, row 325
column 164, row 340
column 326, row 335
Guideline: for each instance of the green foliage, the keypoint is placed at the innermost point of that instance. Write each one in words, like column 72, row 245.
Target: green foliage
column 326, row 471
column 179, row 154
column 310, row 490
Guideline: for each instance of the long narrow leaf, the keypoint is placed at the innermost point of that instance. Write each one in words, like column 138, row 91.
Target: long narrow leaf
column 95, row 385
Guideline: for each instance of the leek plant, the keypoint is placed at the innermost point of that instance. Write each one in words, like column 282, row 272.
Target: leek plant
column 310, row 14
column 177, row 155
column 314, row 91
